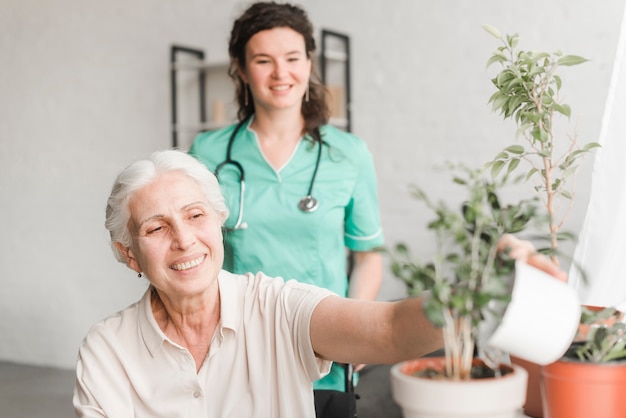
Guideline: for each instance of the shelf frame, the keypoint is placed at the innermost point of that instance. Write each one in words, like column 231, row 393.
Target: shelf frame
column 175, row 66
column 345, row 57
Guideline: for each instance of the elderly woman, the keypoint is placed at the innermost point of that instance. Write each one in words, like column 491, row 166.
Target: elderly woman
column 203, row 342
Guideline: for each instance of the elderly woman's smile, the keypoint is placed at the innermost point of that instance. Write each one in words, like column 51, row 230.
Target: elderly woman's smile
column 188, row 264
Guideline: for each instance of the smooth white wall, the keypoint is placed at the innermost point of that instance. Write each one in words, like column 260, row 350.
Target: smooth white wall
column 84, row 89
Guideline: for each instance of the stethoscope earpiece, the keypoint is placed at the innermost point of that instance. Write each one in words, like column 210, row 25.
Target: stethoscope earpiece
column 308, row 204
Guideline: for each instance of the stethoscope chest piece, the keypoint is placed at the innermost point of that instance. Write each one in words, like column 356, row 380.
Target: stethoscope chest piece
column 308, row 204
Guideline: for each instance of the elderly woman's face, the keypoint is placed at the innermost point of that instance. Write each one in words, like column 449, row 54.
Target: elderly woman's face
column 177, row 238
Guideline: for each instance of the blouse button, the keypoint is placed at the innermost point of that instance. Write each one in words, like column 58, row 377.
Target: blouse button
column 197, row 394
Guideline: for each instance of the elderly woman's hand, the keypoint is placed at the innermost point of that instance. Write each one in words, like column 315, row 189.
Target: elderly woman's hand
column 526, row 251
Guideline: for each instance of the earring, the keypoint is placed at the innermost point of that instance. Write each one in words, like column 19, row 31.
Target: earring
column 306, row 94
column 139, row 275
column 245, row 95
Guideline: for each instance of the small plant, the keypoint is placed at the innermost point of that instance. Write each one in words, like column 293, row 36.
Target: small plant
column 528, row 92
column 467, row 273
column 605, row 339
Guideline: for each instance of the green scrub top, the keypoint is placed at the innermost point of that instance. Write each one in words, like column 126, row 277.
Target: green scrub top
column 281, row 240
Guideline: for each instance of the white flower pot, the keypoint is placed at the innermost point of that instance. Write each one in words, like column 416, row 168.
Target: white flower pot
column 418, row 397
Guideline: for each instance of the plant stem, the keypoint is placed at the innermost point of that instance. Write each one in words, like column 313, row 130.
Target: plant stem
column 547, row 153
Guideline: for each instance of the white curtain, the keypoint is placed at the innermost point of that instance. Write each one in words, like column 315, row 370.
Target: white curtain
column 601, row 249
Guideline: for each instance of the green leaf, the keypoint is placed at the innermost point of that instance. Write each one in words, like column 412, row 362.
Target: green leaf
column 513, row 165
column 495, row 58
column 499, row 100
column 531, row 172
column 493, row 200
column 435, row 316
column 469, row 213
column 614, row 355
column 558, row 81
column 562, row 109
column 496, row 168
column 511, row 40
column 501, row 156
column 569, row 60
column 502, row 80
column 459, row 181
column 515, row 149
column 591, row 145
column 599, row 336
column 492, row 30
column 402, row 249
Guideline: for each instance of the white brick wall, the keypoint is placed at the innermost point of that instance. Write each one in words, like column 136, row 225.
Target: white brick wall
column 85, row 89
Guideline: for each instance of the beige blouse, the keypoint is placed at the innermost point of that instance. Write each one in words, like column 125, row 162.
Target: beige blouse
column 260, row 364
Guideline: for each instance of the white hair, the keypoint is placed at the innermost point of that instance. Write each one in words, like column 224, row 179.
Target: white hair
column 143, row 172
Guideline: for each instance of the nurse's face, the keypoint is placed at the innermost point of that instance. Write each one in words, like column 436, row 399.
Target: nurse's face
column 176, row 236
column 277, row 68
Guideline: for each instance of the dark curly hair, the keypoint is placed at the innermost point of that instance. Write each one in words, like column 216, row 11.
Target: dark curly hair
column 268, row 15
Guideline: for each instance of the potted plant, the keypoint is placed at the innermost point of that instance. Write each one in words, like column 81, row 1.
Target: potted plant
column 590, row 380
column 468, row 281
column 528, row 88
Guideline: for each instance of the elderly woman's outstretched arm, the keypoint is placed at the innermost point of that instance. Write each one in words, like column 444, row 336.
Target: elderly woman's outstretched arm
column 355, row 331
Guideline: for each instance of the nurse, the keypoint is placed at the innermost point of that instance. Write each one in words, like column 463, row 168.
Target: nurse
column 299, row 190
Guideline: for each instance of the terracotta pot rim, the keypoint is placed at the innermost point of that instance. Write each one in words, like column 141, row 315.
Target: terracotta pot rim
column 401, row 369
column 582, row 363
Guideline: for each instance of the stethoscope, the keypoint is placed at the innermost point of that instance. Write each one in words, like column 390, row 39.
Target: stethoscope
column 307, row 204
